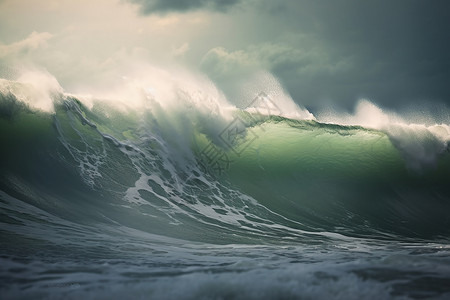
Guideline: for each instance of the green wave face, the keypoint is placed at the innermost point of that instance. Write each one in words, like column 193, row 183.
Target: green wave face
column 333, row 177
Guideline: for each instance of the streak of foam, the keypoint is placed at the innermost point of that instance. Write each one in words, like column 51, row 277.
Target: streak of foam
column 88, row 157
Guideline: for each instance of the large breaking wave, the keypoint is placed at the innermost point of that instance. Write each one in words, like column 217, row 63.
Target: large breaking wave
column 178, row 162
column 158, row 160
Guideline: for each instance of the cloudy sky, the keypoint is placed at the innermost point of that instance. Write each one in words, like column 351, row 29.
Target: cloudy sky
column 395, row 53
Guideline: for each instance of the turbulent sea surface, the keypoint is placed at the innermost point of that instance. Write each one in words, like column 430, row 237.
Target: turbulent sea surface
column 194, row 198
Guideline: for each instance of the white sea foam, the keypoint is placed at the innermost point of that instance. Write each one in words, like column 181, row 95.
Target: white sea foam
column 34, row 88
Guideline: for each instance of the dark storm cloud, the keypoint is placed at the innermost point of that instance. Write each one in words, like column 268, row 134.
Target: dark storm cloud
column 164, row 6
column 394, row 52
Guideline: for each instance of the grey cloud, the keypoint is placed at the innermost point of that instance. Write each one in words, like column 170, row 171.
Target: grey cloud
column 394, row 52
column 219, row 62
column 232, row 70
column 300, row 67
column 165, row 6
column 34, row 41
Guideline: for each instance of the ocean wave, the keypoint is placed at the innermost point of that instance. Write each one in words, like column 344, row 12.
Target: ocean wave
column 248, row 173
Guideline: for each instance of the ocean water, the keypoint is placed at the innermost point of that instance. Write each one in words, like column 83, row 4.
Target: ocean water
column 175, row 193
